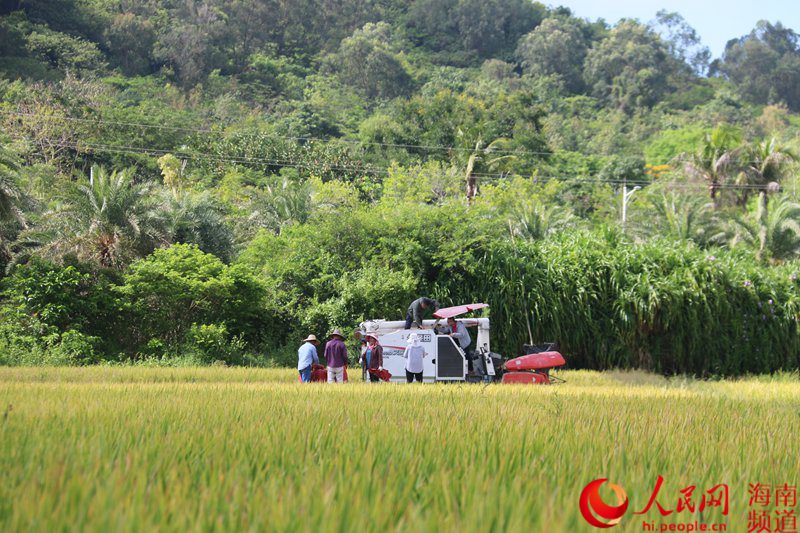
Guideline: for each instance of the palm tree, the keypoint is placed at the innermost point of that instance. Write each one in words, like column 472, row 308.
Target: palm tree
column 172, row 171
column 534, row 220
column 764, row 169
column 678, row 216
column 280, row 205
column 774, row 233
column 483, row 157
column 12, row 218
column 108, row 220
column 10, row 195
column 197, row 219
column 716, row 161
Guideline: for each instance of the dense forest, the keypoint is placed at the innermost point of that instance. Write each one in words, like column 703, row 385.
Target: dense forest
column 191, row 182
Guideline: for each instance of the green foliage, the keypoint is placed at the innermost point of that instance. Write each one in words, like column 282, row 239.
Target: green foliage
column 682, row 41
column 607, row 301
column 367, row 62
column 61, row 297
column 629, row 68
column 476, row 29
column 307, row 263
column 716, row 160
column 187, row 43
column 556, row 47
column 212, row 344
column 65, row 53
column 429, row 183
column 198, row 219
column 772, row 231
column 84, row 18
column 268, row 76
column 675, row 215
column 668, row 144
column 130, row 39
column 39, row 46
column 176, row 287
column 535, row 220
column 12, row 200
column 109, row 221
column 662, row 306
column 69, row 348
column 65, row 312
column 372, row 291
column 764, row 65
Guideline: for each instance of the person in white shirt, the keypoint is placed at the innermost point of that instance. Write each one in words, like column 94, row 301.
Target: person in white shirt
column 414, row 354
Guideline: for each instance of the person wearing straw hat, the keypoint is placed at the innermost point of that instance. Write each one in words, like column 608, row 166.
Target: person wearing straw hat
column 336, row 356
column 374, row 356
column 306, row 356
column 414, row 354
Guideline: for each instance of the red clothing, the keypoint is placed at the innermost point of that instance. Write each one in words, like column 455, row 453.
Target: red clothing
column 376, row 358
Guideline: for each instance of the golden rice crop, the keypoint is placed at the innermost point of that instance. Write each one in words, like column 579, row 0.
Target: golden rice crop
column 137, row 449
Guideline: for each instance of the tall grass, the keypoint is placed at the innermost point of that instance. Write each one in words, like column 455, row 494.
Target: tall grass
column 663, row 306
column 130, row 449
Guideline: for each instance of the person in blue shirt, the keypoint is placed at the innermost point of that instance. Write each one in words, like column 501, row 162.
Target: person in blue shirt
column 306, row 356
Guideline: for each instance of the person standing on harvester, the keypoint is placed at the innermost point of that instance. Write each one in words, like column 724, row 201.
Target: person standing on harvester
column 459, row 332
column 336, row 356
column 417, row 310
column 414, row 354
column 306, row 356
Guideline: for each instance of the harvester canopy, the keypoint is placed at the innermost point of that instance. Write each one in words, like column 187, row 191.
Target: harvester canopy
column 457, row 310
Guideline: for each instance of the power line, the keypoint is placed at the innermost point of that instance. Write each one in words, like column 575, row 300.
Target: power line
column 132, row 150
column 206, row 131
column 268, row 136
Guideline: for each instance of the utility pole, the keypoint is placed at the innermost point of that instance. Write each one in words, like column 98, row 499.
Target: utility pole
column 626, row 195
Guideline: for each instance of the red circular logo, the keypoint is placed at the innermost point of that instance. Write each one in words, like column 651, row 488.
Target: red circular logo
column 593, row 506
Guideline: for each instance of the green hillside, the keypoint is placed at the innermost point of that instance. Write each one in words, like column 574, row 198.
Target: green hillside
column 187, row 182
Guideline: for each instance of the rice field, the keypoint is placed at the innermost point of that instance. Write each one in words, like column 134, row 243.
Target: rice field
column 142, row 449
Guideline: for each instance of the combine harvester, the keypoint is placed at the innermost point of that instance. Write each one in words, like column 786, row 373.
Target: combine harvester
column 447, row 362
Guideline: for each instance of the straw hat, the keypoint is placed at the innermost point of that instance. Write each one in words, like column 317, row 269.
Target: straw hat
column 311, row 338
column 373, row 335
column 337, row 333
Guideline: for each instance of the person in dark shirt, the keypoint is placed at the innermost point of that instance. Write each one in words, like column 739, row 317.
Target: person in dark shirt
column 416, row 311
column 373, row 356
column 336, row 355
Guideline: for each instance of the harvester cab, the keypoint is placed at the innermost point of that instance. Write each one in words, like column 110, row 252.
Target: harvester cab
column 445, row 360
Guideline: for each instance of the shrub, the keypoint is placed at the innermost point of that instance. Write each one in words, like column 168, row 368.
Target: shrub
column 68, row 308
column 211, row 344
column 64, row 349
column 165, row 294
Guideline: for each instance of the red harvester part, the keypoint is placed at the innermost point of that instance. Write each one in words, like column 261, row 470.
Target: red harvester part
column 527, row 378
column 536, row 361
